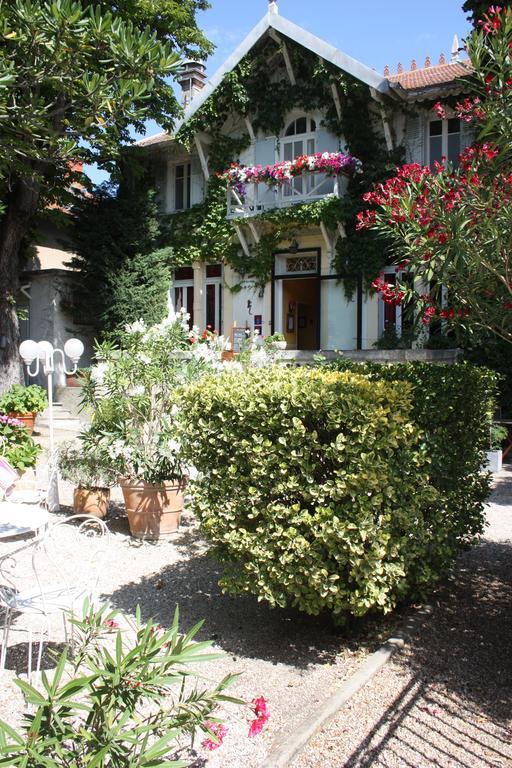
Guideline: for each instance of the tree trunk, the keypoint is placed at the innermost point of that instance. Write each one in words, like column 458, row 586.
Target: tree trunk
column 21, row 205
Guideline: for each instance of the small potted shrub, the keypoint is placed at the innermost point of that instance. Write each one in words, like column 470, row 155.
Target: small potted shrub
column 90, row 471
column 16, row 445
column 276, row 341
column 497, row 434
column 24, row 403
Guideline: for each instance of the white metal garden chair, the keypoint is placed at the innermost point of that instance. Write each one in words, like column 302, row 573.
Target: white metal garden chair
column 52, row 575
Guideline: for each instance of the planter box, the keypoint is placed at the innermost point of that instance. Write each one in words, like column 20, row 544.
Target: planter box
column 494, row 461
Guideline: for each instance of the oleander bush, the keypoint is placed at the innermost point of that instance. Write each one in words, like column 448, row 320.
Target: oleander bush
column 312, row 486
column 453, row 408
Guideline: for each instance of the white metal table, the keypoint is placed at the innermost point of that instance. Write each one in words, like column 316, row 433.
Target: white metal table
column 21, row 519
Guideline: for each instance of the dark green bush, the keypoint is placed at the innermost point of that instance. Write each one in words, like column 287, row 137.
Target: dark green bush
column 312, row 486
column 451, row 406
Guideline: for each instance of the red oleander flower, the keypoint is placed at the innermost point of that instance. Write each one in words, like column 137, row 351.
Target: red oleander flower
column 219, row 730
column 110, row 624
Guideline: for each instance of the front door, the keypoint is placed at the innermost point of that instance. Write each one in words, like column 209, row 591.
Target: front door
column 301, row 313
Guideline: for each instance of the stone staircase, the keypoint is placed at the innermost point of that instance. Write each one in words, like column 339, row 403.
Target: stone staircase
column 68, row 419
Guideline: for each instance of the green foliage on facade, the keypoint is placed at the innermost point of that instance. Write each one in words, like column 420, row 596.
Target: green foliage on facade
column 251, row 91
column 124, row 266
column 453, row 407
column 312, row 487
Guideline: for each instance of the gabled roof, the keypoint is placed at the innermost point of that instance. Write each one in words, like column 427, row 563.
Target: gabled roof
column 298, row 35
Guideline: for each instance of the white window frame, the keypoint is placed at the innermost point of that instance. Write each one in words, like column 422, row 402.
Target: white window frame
column 444, row 135
column 183, row 284
column 218, row 282
column 382, row 305
column 187, row 184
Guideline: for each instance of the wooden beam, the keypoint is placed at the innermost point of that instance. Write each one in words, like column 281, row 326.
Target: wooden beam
column 327, row 237
column 337, row 100
column 250, row 129
column 202, row 157
column 286, row 56
column 243, row 241
column 254, row 231
column 377, row 97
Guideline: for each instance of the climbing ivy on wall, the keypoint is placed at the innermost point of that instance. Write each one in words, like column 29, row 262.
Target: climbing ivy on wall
column 251, row 90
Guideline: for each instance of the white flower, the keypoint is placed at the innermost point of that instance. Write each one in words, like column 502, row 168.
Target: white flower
column 98, row 372
column 136, row 391
column 144, row 358
column 139, row 326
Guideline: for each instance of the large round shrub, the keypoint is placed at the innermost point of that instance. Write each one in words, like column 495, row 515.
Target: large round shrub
column 310, row 486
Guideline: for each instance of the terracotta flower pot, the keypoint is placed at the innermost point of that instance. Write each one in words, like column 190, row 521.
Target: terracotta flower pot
column 27, row 418
column 228, row 355
column 91, row 501
column 154, row 511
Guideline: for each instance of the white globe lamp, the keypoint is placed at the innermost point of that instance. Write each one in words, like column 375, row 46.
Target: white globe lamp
column 29, row 350
column 74, row 349
column 44, row 350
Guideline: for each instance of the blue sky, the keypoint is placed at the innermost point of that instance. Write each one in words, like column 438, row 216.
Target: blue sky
column 374, row 31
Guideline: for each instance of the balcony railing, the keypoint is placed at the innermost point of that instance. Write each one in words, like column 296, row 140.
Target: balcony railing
column 259, row 197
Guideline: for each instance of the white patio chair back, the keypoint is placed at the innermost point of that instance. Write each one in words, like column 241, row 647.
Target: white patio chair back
column 67, row 561
column 50, row 575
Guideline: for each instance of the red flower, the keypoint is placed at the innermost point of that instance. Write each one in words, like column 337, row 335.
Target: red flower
column 262, row 716
column 219, row 730
column 438, row 109
column 110, row 624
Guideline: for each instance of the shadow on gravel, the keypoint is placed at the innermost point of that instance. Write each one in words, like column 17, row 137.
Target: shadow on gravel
column 17, row 656
column 241, row 625
column 455, row 711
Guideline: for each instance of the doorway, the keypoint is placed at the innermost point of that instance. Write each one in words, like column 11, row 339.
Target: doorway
column 301, row 312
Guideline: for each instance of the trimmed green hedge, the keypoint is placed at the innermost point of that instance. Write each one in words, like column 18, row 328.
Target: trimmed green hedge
column 312, row 486
column 452, row 406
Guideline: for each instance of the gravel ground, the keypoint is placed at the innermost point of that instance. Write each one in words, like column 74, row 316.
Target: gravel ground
column 293, row 660
column 446, row 699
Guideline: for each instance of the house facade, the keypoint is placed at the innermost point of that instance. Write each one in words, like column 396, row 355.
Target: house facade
column 305, row 294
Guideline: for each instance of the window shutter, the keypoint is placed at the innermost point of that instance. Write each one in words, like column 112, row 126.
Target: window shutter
column 467, row 135
column 415, row 139
column 265, row 154
column 326, row 142
column 197, row 182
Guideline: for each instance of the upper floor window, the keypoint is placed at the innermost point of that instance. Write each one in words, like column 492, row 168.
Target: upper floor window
column 444, row 141
column 300, row 139
column 182, row 186
column 301, row 125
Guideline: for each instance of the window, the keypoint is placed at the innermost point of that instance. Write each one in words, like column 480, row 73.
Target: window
column 182, row 186
column 213, row 295
column 303, row 143
column 183, row 291
column 301, row 125
column 444, row 141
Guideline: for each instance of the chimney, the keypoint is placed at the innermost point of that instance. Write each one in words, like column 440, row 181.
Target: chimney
column 272, row 6
column 192, row 80
column 442, row 59
column 428, row 62
column 386, row 71
column 413, row 65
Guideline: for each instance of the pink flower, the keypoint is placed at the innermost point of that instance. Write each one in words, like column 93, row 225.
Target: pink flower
column 110, row 624
column 262, row 716
column 219, row 731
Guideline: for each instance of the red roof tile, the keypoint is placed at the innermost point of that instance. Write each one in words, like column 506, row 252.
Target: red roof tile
column 441, row 74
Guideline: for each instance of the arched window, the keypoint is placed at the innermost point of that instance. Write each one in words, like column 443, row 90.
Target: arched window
column 299, row 139
column 301, row 125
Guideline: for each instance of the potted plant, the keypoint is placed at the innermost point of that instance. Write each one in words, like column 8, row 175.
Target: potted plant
column 89, row 468
column 497, row 434
column 276, row 341
column 16, row 445
column 133, row 396
column 24, row 403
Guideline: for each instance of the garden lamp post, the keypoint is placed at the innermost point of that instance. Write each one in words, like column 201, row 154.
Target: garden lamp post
column 45, row 357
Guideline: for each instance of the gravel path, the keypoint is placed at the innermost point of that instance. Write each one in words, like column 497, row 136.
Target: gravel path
column 446, row 699
column 294, row 661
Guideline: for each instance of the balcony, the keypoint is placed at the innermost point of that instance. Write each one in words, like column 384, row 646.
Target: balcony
column 260, row 198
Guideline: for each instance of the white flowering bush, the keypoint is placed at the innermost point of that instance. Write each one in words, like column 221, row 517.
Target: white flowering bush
column 133, row 390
